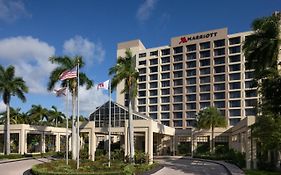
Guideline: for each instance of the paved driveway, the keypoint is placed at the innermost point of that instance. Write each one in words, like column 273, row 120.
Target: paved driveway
column 184, row 166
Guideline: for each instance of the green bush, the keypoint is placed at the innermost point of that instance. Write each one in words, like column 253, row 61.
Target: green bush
column 141, row 157
column 184, row 148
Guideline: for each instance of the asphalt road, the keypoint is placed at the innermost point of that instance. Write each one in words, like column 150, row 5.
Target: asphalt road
column 19, row 167
column 183, row 166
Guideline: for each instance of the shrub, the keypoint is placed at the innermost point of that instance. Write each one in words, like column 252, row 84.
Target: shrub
column 141, row 157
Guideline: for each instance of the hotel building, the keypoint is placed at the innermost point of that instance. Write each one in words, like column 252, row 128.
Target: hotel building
column 194, row 71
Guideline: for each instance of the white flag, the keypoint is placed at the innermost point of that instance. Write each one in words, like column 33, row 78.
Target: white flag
column 103, row 85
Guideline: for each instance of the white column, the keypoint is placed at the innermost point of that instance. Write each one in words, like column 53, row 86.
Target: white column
column 22, row 141
column 93, row 145
column 150, row 145
column 126, row 138
column 57, row 142
column 43, row 142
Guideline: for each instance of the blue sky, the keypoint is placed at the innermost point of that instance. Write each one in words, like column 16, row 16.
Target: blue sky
column 32, row 30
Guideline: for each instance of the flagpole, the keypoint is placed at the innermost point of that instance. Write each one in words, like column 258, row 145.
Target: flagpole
column 109, row 125
column 78, row 136
column 67, row 114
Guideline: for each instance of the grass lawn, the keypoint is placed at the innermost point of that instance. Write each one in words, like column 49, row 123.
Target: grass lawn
column 260, row 172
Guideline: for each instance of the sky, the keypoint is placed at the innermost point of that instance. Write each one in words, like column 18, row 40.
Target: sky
column 33, row 30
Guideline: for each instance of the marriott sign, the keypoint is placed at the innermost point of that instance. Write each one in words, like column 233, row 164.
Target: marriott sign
column 196, row 37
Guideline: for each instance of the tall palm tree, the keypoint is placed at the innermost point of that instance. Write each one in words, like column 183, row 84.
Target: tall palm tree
column 209, row 118
column 10, row 86
column 261, row 48
column 125, row 70
column 37, row 114
column 16, row 117
column 56, row 116
column 67, row 63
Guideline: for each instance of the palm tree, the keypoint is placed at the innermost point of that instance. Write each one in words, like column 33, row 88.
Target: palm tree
column 210, row 117
column 56, row 116
column 125, row 71
column 261, row 48
column 10, row 86
column 67, row 63
column 37, row 114
column 16, row 117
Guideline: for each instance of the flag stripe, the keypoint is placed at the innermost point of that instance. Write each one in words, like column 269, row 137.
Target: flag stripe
column 68, row 74
column 103, row 85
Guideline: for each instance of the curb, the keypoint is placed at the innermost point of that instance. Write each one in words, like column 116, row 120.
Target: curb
column 16, row 160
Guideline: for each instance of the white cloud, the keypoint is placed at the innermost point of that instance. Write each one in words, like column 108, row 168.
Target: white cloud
column 82, row 46
column 11, row 10
column 145, row 9
column 30, row 57
column 2, row 106
column 90, row 99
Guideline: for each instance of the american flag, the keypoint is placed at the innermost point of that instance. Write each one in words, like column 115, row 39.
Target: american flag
column 60, row 92
column 68, row 74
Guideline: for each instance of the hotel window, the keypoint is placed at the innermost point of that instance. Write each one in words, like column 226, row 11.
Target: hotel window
column 142, row 86
column 191, row 105
column 235, row 49
column 141, row 55
column 178, row 50
column 165, row 115
column 219, row 60
column 178, row 82
column 177, row 107
column 191, row 97
column 142, row 78
column 205, row 62
column 219, row 95
column 234, row 103
column 153, row 92
column 204, row 105
column 165, row 83
column 190, row 114
column 234, row 121
column 235, row 67
column 165, row 68
column 219, row 87
column 205, row 71
column 153, row 85
column 141, row 108
column 177, row 98
column 234, row 58
column 219, row 78
column 205, row 79
column 205, row 45
column 153, row 115
column 165, row 75
column 191, row 89
column 165, row 52
column 177, row 114
column 219, row 43
column 220, row 104
column 249, row 75
column 153, row 61
column 205, row 88
column 178, row 74
column 251, row 112
column 234, row 112
column 191, row 56
column 178, row 66
column 152, row 108
column 190, row 48
column 219, row 69
column 152, row 100
column 191, row 72
column 205, row 54
column 141, row 101
column 250, row 84
column 251, row 102
column 222, row 112
column 142, row 93
column 251, row 93
column 191, row 81
column 235, row 94
column 178, row 58
column 219, row 52
column 166, row 123
column 190, row 123
column 178, row 90
column 142, row 71
column 191, row 64
column 153, row 69
column 205, row 96
column 177, row 123
column 234, row 76
column 236, row 85
column 165, row 60
column 165, row 91
column 154, row 53
column 153, row 77
column 165, row 107
column 235, row 40
column 165, row 99
column 142, row 62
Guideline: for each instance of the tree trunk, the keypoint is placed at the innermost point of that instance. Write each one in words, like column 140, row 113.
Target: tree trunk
column 131, row 130
column 212, row 140
column 7, row 131
column 73, row 139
